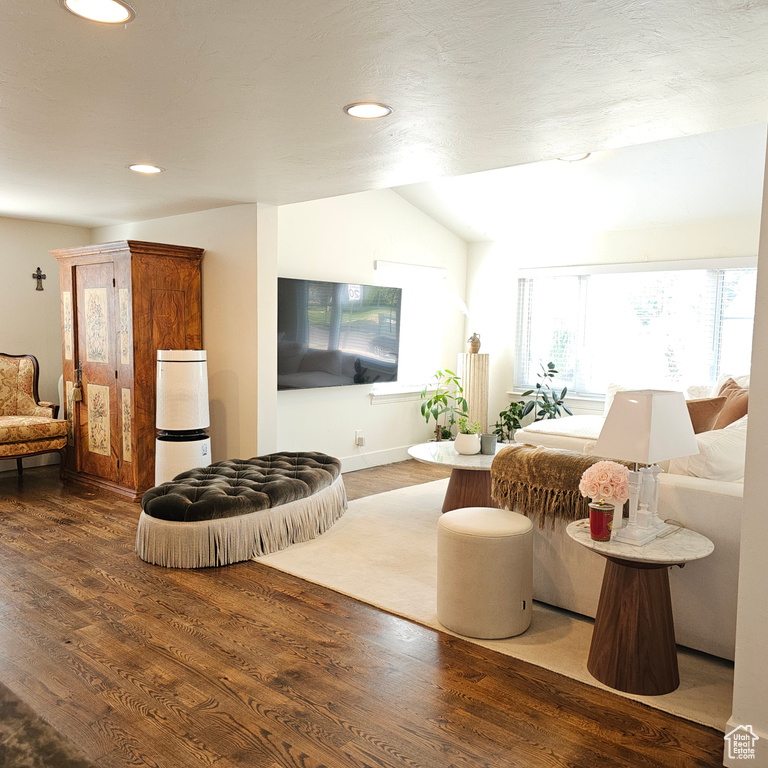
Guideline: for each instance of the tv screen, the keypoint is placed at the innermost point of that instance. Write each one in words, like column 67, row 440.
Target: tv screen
column 334, row 334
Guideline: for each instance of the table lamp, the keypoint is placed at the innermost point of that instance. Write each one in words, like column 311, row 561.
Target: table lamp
column 646, row 426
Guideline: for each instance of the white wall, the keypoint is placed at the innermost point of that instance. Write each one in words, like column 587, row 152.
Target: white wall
column 267, row 326
column 339, row 239
column 230, row 320
column 492, row 273
column 750, row 704
column 30, row 320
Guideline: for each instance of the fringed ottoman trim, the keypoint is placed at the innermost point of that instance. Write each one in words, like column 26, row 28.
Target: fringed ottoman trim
column 228, row 540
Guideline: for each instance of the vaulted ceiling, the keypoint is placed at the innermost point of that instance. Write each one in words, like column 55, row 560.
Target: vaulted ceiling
column 241, row 101
column 703, row 178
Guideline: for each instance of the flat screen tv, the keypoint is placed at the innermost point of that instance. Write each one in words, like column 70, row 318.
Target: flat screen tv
column 334, row 334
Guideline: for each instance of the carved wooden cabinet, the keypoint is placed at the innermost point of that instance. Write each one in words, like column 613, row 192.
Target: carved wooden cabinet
column 120, row 303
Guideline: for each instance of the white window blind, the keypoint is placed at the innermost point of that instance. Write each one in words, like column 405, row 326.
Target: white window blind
column 666, row 329
column 421, row 341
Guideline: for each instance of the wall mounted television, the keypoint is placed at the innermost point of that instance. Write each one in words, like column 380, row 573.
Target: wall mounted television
column 335, row 334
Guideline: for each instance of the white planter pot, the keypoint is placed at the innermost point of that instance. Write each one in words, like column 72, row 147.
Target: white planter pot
column 467, row 444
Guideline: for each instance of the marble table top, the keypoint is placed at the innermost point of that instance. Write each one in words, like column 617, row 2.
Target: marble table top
column 444, row 454
column 682, row 546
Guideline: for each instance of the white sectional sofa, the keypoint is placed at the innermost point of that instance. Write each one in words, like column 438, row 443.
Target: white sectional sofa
column 703, row 592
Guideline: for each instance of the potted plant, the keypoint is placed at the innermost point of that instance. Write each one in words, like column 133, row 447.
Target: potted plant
column 547, row 402
column 509, row 422
column 445, row 404
column 467, row 437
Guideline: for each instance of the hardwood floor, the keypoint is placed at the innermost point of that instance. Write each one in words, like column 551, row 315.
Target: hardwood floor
column 246, row 666
column 367, row 482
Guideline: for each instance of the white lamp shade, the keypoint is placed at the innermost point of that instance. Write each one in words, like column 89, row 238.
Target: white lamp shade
column 182, row 389
column 647, row 426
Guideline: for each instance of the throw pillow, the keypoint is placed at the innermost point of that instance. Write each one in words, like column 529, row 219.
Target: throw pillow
column 742, row 381
column 698, row 391
column 704, row 412
column 721, row 455
column 737, row 402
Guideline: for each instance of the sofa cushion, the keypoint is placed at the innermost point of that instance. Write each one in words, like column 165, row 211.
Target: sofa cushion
column 721, row 455
column 17, row 450
column 24, row 429
column 704, row 412
column 699, row 392
column 572, row 433
column 736, row 405
column 17, row 386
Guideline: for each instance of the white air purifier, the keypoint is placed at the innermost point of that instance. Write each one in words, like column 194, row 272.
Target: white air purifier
column 182, row 413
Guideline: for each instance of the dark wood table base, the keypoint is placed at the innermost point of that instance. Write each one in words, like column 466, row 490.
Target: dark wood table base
column 468, row 488
column 633, row 644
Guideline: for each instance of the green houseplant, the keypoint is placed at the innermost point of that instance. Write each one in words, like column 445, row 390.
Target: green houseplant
column 465, row 428
column 467, row 437
column 547, row 401
column 445, row 403
column 509, row 421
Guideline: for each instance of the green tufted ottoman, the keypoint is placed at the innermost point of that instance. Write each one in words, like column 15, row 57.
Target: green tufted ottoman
column 238, row 509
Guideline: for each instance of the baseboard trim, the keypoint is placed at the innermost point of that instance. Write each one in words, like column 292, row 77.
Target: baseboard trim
column 365, row 459
column 760, row 759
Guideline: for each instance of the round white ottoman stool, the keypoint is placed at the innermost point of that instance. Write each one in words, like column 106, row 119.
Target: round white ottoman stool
column 484, row 572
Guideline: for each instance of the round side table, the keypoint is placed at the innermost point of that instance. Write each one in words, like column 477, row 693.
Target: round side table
column 470, row 483
column 633, row 643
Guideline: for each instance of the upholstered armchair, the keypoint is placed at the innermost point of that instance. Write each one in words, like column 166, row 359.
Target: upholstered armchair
column 27, row 427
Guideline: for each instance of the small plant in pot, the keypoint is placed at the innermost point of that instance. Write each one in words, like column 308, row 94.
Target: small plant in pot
column 468, row 437
column 445, row 404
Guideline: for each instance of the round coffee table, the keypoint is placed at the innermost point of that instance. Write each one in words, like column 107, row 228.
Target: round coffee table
column 633, row 643
column 470, row 483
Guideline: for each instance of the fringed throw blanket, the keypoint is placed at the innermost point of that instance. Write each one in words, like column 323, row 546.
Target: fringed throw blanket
column 541, row 483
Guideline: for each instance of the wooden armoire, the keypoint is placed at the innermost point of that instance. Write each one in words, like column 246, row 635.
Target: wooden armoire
column 120, row 303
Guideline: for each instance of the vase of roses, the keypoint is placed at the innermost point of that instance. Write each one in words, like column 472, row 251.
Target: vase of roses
column 606, row 483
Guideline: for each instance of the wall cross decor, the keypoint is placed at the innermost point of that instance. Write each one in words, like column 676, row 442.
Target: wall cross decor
column 39, row 276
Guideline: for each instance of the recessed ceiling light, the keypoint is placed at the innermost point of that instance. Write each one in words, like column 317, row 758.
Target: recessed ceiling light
column 367, row 110
column 575, row 158
column 141, row 168
column 105, row 11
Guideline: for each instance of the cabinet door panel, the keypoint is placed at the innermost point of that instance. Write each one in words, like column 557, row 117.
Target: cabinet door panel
column 97, row 347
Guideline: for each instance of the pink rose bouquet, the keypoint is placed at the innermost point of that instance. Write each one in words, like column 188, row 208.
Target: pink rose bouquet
column 606, row 482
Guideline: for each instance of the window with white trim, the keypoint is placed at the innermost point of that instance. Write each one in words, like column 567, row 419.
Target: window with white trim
column 652, row 328
column 420, row 334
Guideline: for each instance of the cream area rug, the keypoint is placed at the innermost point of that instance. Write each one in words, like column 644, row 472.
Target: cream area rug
column 383, row 551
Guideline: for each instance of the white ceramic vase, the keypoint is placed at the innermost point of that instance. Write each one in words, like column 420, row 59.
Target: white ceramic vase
column 467, row 444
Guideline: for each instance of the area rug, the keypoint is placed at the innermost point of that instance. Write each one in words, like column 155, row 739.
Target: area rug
column 384, row 553
column 27, row 741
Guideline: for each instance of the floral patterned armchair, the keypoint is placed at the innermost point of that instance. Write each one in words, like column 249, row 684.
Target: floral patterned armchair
column 27, row 426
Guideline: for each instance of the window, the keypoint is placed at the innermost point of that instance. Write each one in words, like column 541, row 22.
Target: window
column 657, row 328
column 420, row 339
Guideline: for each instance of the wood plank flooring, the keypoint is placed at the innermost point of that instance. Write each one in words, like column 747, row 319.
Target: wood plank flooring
column 246, row 666
column 388, row 477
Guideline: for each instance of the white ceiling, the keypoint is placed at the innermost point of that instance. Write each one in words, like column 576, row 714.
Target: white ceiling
column 241, row 101
column 696, row 178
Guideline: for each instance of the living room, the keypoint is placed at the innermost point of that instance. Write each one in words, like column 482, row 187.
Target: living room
column 474, row 287
column 322, row 236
